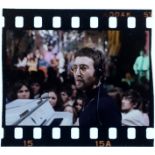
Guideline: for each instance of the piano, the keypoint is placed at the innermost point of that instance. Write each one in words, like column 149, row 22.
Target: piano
column 35, row 112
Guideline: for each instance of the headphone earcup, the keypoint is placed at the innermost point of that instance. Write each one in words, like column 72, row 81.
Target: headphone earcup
column 98, row 72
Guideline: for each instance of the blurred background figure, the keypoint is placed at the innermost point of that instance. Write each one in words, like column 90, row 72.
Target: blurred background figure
column 71, row 109
column 32, row 62
column 54, row 100
column 131, row 114
column 36, row 89
column 20, row 90
column 65, row 94
column 142, row 65
column 78, row 105
column 37, row 79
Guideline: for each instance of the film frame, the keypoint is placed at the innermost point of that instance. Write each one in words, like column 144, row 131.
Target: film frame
column 76, row 136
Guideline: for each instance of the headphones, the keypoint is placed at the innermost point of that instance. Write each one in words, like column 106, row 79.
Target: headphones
column 99, row 69
column 99, row 72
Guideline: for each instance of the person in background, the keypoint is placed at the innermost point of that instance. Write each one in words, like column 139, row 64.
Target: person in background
column 20, row 90
column 131, row 115
column 71, row 109
column 65, row 94
column 32, row 62
column 36, row 88
column 54, row 57
column 142, row 65
column 78, row 105
column 54, row 100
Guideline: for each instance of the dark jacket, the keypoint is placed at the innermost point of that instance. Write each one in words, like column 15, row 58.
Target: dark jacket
column 100, row 110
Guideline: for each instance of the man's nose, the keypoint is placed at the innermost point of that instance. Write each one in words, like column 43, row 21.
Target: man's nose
column 78, row 72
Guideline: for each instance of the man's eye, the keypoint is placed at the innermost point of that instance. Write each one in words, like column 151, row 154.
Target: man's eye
column 74, row 68
column 83, row 67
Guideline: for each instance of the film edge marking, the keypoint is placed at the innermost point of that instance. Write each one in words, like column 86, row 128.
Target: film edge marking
column 75, row 22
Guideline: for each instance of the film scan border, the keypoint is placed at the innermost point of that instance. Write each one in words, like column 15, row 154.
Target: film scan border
column 75, row 136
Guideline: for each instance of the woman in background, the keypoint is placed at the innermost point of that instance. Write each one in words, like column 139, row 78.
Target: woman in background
column 54, row 100
column 20, row 90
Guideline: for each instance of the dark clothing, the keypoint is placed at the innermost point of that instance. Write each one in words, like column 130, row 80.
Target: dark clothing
column 100, row 110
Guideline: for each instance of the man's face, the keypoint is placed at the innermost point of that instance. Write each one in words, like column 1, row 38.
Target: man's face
column 126, row 104
column 83, row 71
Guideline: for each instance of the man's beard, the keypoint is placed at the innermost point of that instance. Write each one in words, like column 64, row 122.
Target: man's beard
column 82, row 85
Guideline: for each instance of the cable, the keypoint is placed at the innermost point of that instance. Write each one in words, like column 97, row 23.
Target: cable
column 98, row 101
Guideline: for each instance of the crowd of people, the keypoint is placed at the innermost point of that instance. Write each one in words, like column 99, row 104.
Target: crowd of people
column 52, row 70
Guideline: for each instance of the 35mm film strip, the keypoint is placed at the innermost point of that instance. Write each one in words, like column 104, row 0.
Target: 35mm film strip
column 77, row 19
column 120, row 34
column 75, row 136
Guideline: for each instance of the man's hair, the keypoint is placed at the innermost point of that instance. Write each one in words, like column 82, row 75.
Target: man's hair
column 67, row 89
column 134, row 97
column 97, row 57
